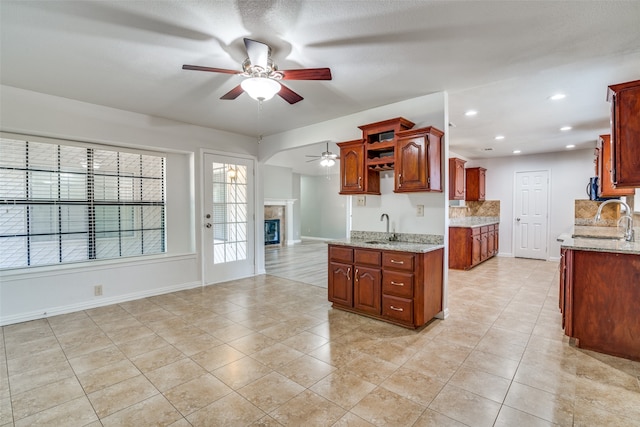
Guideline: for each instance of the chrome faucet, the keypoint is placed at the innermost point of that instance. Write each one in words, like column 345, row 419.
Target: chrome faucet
column 383, row 216
column 628, row 231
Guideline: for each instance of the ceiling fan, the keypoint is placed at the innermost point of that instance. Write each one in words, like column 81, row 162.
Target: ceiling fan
column 327, row 158
column 263, row 77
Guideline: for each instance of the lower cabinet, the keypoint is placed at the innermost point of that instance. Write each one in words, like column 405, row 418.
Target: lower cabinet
column 469, row 247
column 404, row 288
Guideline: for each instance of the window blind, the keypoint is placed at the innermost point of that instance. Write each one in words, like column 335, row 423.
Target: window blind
column 67, row 203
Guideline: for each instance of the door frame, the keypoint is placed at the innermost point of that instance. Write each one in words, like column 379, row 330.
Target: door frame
column 514, row 239
column 200, row 221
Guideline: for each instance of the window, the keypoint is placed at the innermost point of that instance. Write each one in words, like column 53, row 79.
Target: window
column 64, row 202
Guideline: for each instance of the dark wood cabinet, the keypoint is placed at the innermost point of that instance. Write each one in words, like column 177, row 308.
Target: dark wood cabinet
column 418, row 160
column 599, row 300
column 354, row 177
column 456, row 178
column 475, row 184
column 469, row 247
column 604, row 166
column 403, row 288
column 625, row 133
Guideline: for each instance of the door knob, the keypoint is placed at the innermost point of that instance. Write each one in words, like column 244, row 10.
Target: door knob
column 208, row 225
column 518, row 219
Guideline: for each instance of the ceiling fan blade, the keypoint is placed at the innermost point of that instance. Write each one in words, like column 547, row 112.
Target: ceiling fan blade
column 258, row 52
column 307, row 74
column 312, row 160
column 288, row 95
column 210, row 69
column 309, row 155
column 233, row 93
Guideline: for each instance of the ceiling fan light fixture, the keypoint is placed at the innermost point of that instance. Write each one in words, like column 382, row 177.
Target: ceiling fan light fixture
column 327, row 162
column 260, row 88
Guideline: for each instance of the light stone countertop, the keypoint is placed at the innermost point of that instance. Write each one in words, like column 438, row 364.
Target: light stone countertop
column 416, row 243
column 608, row 239
column 473, row 221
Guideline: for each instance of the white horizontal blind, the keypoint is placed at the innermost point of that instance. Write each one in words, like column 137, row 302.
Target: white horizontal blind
column 67, row 203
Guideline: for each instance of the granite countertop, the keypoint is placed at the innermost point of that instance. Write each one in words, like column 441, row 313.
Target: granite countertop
column 599, row 239
column 416, row 243
column 473, row 221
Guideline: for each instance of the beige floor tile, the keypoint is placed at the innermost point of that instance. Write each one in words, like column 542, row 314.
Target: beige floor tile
column 335, row 354
column 343, row 388
column 19, row 349
column 252, row 343
column 174, row 374
column 481, row 383
column 158, row 358
column 231, row 332
column 154, row 411
column 352, row 420
column 76, row 412
column 266, row 421
column 231, row 410
column 611, row 398
column 105, row 376
column 492, row 364
column 305, row 341
column 6, row 413
column 216, row 357
column 142, row 345
column 83, row 344
column 45, row 397
column 306, row 370
column 540, row 404
column 197, row 393
column 430, row 418
column 114, row 398
column 38, row 377
column 509, row 417
column 308, row 409
column 97, row 359
column 436, row 367
column 35, row 360
column 465, row 407
column 413, row 385
column 586, row 415
column 130, row 333
column 386, row 408
column 270, row 391
column 197, row 344
column 241, row 372
column 276, row 355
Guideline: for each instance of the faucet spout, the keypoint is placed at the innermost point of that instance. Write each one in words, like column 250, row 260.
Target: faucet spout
column 628, row 231
column 382, row 217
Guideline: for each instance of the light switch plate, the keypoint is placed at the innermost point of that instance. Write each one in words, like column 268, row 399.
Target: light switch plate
column 361, row 201
column 420, row 210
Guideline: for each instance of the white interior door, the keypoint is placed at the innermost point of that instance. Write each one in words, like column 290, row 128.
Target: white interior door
column 228, row 232
column 531, row 214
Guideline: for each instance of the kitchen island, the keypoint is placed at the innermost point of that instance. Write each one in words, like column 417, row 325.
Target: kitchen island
column 600, row 291
column 397, row 281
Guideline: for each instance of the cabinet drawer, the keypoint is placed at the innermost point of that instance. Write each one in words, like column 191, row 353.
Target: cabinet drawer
column 399, row 309
column 367, row 257
column 475, row 231
column 397, row 284
column 398, row 260
column 341, row 253
column 484, row 229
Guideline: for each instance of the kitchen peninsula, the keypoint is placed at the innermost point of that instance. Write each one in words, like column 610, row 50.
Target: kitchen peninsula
column 397, row 278
column 600, row 291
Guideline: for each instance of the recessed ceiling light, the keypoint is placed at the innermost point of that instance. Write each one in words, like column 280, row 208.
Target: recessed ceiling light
column 571, row 146
column 470, row 113
column 499, row 137
column 516, row 151
column 565, row 128
column 557, row 96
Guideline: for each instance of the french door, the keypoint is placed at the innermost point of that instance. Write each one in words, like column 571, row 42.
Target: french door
column 531, row 214
column 228, row 232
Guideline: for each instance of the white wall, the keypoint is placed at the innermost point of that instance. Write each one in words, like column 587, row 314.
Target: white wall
column 323, row 210
column 569, row 173
column 43, row 291
column 277, row 182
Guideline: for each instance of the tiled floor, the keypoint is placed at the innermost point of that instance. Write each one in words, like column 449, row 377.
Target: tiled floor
column 270, row 351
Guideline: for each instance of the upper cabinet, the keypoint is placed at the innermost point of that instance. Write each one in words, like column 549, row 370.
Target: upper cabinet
column 476, row 178
column 625, row 133
column 418, row 159
column 456, row 178
column 391, row 145
column 604, row 172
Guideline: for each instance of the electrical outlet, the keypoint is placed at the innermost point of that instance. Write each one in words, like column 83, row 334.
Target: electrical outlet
column 361, row 201
column 97, row 290
column 420, row 210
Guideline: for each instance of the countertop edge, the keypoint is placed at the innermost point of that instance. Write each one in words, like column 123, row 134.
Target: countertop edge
column 391, row 246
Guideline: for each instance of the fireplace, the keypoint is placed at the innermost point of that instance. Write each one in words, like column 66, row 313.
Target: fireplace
column 271, row 231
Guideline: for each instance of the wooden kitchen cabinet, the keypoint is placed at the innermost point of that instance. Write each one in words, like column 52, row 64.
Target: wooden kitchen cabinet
column 604, row 171
column 625, row 133
column 418, row 160
column 475, row 184
column 599, row 299
column 456, row 178
column 354, row 178
column 403, row 288
column 469, row 247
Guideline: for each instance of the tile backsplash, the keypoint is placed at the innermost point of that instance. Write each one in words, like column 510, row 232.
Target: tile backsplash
column 487, row 208
column 585, row 212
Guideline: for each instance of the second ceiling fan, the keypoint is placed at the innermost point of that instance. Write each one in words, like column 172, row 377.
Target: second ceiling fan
column 263, row 76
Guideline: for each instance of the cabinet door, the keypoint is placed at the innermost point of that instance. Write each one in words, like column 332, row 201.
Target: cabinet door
column 475, row 185
column 475, row 249
column 456, row 178
column 367, row 289
column 351, row 169
column 605, row 172
column 625, row 128
column 496, row 238
column 484, row 246
column 340, row 284
column 411, row 164
column 490, row 242
column 482, row 176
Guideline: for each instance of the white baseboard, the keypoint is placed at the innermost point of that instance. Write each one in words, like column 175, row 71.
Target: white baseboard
column 55, row 311
column 316, row 238
column 443, row 314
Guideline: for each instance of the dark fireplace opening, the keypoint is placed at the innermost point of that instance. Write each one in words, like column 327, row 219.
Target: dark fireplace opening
column 271, row 231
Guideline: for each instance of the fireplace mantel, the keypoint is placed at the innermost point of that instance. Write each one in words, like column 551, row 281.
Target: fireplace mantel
column 288, row 216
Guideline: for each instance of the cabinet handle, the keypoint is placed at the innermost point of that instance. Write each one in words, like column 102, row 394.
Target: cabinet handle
column 397, row 284
column 393, row 261
column 349, row 273
column 356, row 274
column 396, row 308
column 359, row 180
column 399, row 180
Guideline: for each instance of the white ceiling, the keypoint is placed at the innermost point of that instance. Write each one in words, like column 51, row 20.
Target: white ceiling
column 501, row 58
